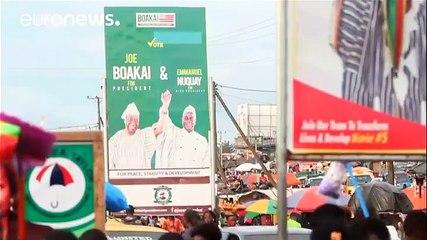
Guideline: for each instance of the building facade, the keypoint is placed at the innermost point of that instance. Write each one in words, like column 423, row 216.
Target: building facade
column 258, row 123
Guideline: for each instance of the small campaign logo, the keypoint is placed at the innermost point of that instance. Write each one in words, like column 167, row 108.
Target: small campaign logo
column 155, row 20
column 162, row 195
column 58, row 186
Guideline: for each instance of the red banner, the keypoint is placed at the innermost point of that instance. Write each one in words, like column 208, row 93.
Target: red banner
column 324, row 123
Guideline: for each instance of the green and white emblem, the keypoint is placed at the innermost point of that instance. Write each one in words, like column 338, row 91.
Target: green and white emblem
column 162, row 195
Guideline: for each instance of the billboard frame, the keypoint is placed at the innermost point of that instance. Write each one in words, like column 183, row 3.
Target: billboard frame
column 95, row 138
column 284, row 67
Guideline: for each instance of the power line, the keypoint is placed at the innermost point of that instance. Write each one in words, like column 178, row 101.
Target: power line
column 242, row 28
column 246, row 99
column 265, row 59
column 247, row 89
column 242, row 40
column 75, row 126
column 241, row 33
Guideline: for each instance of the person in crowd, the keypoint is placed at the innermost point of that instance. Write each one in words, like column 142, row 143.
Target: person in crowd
column 392, row 223
column 205, row 231
column 130, row 218
column 191, row 220
column 232, row 221
column 171, row 236
column 144, row 220
column 210, row 217
column 330, row 232
column 173, row 224
column 60, row 234
column 154, row 222
column 328, row 214
column 369, row 229
column 93, row 234
column 263, row 179
column 415, row 226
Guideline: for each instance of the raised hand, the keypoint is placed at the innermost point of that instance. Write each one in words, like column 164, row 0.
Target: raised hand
column 166, row 99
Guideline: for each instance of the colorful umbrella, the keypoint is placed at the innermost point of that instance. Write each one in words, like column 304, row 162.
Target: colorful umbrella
column 241, row 208
column 291, row 179
column 59, row 175
column 263, row 206
column 418, row 202
column 251, row 215
column 362, row 169
column 395, row 12
column 307, row 200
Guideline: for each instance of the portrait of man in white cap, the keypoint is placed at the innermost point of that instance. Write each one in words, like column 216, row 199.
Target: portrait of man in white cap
column 132, row 147
column 182, row 147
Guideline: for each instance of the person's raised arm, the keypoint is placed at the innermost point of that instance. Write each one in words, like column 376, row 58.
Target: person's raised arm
column 163, row 113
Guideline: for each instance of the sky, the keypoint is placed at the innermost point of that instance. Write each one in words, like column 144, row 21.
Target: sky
column 48, row 72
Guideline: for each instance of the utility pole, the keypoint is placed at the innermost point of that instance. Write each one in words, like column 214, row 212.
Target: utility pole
column 98, row 103
column 390, row 172
column 220, row 146
column 216, row 160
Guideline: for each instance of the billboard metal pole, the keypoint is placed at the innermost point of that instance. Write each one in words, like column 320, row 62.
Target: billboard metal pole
column 281, row 91
column 105, row 127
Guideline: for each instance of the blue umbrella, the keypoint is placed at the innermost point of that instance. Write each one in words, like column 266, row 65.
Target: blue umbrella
column 115, row 200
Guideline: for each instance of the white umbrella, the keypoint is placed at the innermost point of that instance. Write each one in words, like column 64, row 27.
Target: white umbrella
column 245, row 167
column 257, row 166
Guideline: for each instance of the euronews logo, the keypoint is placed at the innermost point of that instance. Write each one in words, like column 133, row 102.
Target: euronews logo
column 68, row 20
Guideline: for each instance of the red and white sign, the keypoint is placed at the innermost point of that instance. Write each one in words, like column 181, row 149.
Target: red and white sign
column 348, row 98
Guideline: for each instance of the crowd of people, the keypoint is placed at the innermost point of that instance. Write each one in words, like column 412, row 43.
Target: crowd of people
column 329, row 220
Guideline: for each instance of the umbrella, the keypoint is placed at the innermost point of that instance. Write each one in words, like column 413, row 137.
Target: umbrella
column 251, row 215
column 307, row 200
column 291, row 179
column 418, row 202
column 59, row 175
column 383, row 197
column 115, row 200
column 245, row 167
column 362, row 169
column 293, row 223
column 241, row 208
column 257, row 166
column 418, row 169
column 263, row 206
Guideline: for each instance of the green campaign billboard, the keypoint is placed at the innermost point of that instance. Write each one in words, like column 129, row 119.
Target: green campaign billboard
column 156, row 87
column 157, row 106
